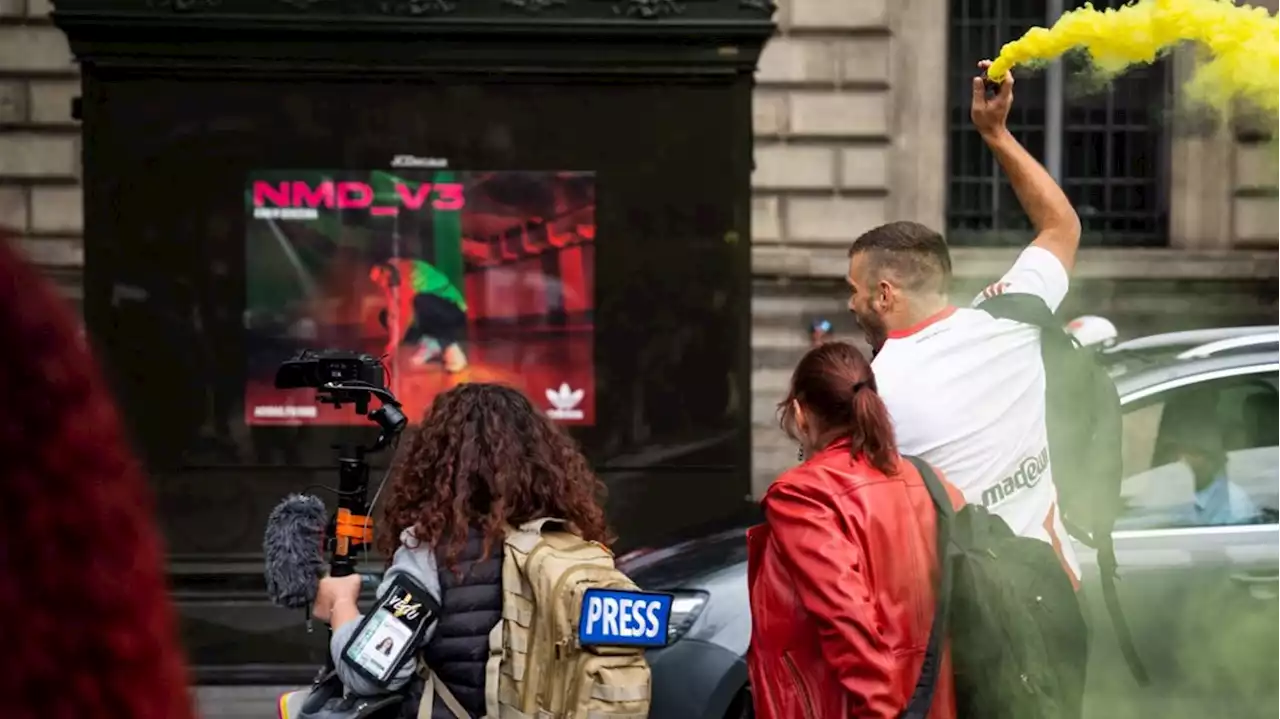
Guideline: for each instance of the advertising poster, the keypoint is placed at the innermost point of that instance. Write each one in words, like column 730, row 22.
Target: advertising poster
column 449, row 276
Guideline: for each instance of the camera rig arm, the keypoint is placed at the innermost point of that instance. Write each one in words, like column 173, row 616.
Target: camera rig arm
column 352, row 527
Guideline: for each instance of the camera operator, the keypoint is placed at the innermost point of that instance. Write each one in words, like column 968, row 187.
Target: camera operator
column 482, row 460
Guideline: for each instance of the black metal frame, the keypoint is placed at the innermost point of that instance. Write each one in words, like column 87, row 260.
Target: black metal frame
column 1115, row 158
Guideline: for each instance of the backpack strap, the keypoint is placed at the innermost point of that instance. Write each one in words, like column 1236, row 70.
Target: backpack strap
column 922, row 696
column 1022, row 307
column 1107, row 573
column 529, row 535
column 536, row 526
column 1032, row 310
column 432, row 686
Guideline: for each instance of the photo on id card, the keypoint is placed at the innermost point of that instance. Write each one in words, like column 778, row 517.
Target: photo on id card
column 388, row 636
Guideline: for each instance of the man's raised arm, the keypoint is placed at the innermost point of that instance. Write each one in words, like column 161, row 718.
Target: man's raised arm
column 1057, row 225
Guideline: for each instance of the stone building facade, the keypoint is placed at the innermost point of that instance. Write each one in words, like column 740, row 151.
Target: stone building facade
column 851, row 118
column 39, row 142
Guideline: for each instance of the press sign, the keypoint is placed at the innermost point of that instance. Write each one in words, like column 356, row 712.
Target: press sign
column 624, row 619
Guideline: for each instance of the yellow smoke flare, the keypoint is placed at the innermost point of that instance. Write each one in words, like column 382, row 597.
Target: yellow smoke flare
column 1239, row 43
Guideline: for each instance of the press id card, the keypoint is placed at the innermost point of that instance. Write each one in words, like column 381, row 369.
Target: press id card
column 389, row 635
column 623, row 619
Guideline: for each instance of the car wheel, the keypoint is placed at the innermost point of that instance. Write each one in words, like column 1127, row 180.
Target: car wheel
column 742, row 706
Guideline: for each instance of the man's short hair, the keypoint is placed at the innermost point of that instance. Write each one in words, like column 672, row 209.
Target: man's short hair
column 915, row 255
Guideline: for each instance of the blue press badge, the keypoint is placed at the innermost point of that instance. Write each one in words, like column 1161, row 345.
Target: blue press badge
column 623, row 619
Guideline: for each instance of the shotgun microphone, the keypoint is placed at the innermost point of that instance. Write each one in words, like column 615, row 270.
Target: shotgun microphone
column 294, row 547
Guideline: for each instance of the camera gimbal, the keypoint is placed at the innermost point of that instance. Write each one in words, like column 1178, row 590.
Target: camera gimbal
column 352, row 527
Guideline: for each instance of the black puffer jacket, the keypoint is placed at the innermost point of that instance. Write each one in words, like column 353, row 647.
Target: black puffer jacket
column 471, row 605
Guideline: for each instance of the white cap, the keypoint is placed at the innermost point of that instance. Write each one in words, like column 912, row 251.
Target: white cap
column 1091, row 330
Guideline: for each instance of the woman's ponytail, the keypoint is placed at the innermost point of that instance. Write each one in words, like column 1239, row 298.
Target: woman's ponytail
column 871, row 434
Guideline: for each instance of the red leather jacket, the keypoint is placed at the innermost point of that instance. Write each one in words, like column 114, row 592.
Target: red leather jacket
column 842, row 578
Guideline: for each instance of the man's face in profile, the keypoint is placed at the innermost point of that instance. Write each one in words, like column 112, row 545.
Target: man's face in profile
column 864, row 303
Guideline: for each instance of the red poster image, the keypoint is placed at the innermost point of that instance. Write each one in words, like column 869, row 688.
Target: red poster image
column 449, row 276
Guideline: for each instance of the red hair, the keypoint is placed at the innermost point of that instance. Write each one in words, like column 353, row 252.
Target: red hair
column 837, row 391
column 87, row 625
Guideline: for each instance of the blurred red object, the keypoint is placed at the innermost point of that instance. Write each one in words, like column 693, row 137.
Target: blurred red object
column 87, row 626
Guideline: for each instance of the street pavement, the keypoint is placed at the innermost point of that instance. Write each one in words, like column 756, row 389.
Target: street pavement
column 238, row 702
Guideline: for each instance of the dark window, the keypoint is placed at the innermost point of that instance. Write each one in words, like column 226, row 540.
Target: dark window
column 1108, row 138
column 1113, row 156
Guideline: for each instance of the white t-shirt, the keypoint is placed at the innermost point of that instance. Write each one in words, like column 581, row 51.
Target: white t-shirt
column 966, row 392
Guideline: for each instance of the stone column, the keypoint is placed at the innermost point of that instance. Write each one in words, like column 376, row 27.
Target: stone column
column 1254, row 212
column 822, row 130
column 1256, row 202
column 1200, row 169
column 918, row 165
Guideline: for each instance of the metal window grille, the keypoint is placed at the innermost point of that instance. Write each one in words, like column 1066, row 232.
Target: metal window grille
column 1104, row 143
column 1114, row 156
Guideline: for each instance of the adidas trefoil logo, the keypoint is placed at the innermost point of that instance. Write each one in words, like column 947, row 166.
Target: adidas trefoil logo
column 564, row 402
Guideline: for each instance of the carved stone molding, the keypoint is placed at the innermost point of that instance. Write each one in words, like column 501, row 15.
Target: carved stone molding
column 303, row 4
column 534, row 6
column 349, row 14
column 648, row 9
column 764, row 7
column 184, row 5
column 416, row 8
column 327, row 37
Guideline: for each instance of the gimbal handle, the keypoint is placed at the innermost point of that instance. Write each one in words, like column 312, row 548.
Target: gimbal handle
column 352, row 527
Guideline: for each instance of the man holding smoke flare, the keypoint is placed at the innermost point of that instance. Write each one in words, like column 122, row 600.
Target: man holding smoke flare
column 965, row 388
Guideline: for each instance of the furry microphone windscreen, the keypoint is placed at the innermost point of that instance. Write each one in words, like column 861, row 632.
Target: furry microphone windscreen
column 293, row 544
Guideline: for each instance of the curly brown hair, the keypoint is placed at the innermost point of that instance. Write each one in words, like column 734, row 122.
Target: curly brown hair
column 484, row 458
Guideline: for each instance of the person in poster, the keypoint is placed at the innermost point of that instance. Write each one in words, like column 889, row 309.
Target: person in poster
column 424, row 309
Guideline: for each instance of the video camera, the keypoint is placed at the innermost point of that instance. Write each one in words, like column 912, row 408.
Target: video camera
column 342, row 377
column 314, row 368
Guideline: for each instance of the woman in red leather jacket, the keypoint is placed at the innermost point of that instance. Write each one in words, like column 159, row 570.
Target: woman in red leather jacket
column 842, row 572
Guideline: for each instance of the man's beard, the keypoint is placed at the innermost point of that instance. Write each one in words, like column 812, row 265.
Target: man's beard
column 873, row 329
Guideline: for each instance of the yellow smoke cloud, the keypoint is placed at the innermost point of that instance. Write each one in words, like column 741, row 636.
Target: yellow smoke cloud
column 1239, row 43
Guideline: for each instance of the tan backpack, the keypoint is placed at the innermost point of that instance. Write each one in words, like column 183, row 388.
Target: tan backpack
column 537, row 668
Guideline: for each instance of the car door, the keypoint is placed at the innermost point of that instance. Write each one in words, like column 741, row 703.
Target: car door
column 1196, row 544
